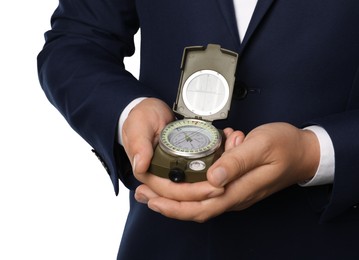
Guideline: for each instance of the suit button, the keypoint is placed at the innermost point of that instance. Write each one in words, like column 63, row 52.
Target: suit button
column 240, row 90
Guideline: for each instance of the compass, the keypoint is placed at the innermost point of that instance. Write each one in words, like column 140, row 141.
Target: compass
column 188, row 147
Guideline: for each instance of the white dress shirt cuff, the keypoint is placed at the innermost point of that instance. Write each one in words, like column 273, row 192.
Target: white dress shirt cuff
column 326, row 168
column 124, row 116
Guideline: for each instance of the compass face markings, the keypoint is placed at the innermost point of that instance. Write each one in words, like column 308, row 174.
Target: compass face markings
column 190, row 138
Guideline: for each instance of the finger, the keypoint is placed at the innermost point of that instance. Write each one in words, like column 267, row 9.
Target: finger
column 237, row 162
column 239, row 194
column 227, row 131
column 233, row 139
column 198, row 211
column 139, row 148
column 141, row 130
column 143, row 194
column 177, row 191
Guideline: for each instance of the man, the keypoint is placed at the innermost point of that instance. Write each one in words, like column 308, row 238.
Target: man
column 298, row 67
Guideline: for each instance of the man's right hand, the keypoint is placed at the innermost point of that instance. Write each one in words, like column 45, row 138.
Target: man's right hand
column 140, row 135
column 141, row 130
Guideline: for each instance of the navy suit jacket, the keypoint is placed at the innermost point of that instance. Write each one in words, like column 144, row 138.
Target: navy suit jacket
column 298, row 63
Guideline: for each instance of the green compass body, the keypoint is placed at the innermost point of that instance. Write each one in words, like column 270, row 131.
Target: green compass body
column 188, row 147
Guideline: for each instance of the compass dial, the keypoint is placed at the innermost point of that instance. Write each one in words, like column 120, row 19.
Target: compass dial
column 190, row 138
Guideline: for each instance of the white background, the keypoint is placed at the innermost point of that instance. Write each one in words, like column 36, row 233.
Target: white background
column 56, row 200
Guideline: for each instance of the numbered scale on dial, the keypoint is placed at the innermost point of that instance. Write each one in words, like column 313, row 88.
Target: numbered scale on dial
column 188, row 147
column 190, row 138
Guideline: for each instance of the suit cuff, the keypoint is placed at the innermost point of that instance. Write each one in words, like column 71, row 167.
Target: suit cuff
column 326, row 168
column 124, row 116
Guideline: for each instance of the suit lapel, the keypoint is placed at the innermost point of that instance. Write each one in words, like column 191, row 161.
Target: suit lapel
column 258, row 14
column 227, row 9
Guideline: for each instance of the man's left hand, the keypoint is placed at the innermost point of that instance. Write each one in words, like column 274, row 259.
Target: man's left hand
column 269, row 159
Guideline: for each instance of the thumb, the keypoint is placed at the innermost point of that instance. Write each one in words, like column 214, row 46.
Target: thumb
column 138, row 143
column 234, row 163
column 141, row 129
column 142, row 155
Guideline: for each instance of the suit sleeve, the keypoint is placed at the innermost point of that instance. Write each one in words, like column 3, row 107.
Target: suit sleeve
column 343, row 129
column 344, row 197
column 82, row 73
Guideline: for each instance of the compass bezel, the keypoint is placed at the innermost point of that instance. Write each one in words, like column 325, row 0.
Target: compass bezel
column 212, row 132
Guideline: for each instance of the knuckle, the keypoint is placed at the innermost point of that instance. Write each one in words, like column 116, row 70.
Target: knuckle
column 201, row 218
column 265, row 142
column 236, row 163
column 136, row 175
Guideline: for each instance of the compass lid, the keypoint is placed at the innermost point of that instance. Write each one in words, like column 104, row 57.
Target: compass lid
column 207, row 82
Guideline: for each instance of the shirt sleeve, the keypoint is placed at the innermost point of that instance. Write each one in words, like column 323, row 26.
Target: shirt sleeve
column 124, row 116
column 326, row 168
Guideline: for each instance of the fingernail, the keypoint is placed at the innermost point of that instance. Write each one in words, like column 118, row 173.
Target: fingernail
column 216, row 193
column 154, row 208
column 141, row 198
column 219, row 176
column 237, row 141
column 135, row 161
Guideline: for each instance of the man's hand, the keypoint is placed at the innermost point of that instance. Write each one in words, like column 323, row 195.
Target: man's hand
column 140, row 134
column 141, row 130
column 270, row 158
